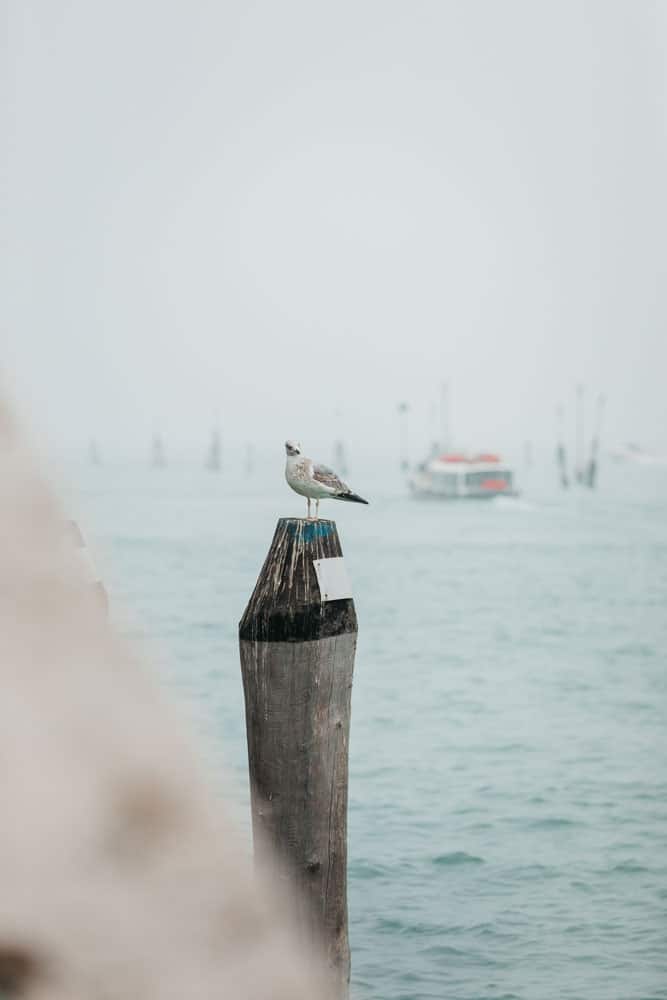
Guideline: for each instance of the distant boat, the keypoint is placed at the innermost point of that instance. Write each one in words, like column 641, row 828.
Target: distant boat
column 158, row 459
column 214, row 456
column 636, row 455
column 458, row 476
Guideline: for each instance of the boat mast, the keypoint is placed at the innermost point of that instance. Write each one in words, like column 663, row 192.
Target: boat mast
column 433, row 428
column 444, row 418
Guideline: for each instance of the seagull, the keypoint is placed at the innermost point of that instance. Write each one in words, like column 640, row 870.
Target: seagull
column 315, row 482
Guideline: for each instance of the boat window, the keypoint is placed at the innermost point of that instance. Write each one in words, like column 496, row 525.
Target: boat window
column 478, row 478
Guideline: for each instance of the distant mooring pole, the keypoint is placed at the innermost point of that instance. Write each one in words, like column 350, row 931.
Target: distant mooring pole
column 298, row 638
column 579, row 434
column 403, row 410
column 158, row 459
column 561, row 455
column 214, row 455
column 592, row 467
column 528, row 454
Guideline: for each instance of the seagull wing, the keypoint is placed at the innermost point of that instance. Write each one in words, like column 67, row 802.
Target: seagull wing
column 327, row 477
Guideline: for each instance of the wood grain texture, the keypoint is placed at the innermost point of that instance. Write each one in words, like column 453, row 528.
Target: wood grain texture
column 285, row 605
column 297, row 697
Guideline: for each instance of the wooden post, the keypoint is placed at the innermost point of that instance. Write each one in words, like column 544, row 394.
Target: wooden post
column 119, row 874
column 298, row 638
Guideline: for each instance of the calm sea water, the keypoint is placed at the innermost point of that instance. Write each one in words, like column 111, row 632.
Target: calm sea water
column 508, row 784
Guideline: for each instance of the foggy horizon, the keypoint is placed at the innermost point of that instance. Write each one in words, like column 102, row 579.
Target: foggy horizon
column 288, row 219
column 384, row 230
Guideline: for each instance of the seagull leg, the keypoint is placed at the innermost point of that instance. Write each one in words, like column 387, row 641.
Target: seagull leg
column 317, row 509
column 308, row 502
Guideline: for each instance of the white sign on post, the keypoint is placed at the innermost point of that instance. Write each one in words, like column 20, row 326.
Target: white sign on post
column 332, row 579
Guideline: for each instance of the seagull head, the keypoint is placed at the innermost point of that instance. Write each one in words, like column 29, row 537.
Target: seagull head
column 292, row 448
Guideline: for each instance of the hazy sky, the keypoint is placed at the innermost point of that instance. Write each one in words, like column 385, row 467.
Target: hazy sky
column 276, row 211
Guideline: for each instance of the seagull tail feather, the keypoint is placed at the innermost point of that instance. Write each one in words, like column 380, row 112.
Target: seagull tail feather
column 352, row 497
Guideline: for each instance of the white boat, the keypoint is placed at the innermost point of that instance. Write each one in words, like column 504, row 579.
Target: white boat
column 457, row 476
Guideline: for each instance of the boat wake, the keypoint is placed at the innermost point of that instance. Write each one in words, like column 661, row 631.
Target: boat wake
column 512, row 503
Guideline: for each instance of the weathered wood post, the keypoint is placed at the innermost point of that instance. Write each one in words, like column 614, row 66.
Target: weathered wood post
column 298, row 637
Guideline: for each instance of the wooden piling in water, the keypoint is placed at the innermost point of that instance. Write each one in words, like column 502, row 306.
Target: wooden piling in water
column 297, row 640
column 120, row 875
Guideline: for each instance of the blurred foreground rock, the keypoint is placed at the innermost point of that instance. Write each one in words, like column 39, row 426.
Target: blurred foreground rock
column 119, row 876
